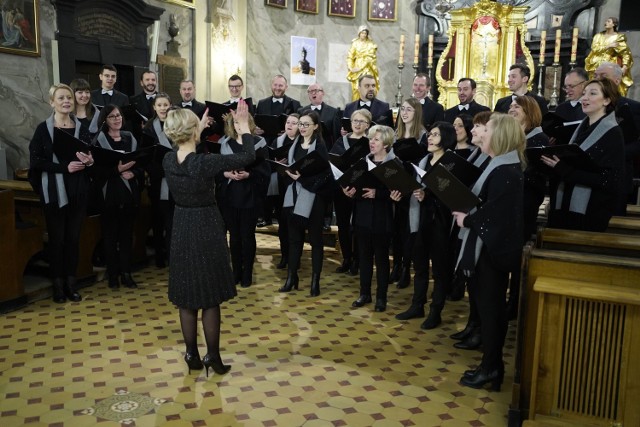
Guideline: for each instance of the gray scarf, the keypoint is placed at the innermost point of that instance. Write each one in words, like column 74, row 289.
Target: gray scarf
column 93, row 126
column 505, row 159
column 102, row 140
column 414, row 204
column 534, row 132
column 63, row 199
column 297, row 196
column 273, row 189
column 225, row 148
column 581, row 194
column 164, row 141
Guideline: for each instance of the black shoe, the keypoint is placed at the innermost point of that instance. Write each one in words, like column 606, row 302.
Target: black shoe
column 345, row 267
column 246, row 284
column 432, row 321
column 405, row 278
column 282, row 264
column 217, row 365
column 471, row 372
column 114, row 283
column 70, row 291
column 58, row 291
column 483, row 377
column 290, row 283
column 472, row 342
column 394, row 276
column 413, row 312
column 193, row 361
column 315, row 285
column 261, row 223
column 128, row 281
column 381, row 305
column 466, row 332
column 362, row 300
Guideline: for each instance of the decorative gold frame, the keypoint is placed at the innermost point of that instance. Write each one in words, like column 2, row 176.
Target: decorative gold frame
column 186, row 3
column 33, row 19
column 334, row 11
column 299, row 8
column 282, row 4
column 372, row 10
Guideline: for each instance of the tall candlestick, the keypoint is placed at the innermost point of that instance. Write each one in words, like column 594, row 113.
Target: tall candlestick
column 556, row 55
column 401, row 58
column 430, row 51
column 543, row 44
column 416, row 49
column 574, row 45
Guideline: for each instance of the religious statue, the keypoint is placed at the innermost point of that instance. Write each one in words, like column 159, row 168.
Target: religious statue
column 362, row 59
column 305, row 67
column 611, row 46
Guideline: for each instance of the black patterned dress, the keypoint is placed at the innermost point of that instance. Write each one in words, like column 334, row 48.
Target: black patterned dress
column 200, row 270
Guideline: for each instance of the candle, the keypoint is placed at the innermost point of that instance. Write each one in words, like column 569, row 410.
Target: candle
column 574, row 45
column 430, row 56
column 416, row 50
column 401, row 58
column 556, row 55
column 543, row 44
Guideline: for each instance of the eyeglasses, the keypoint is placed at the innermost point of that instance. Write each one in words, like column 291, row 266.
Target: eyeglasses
column 433, row 134
column 569, row 87
column 114, row 116
column 304, row 125
column 359, row 122
column 314, row 91
column 235, row 86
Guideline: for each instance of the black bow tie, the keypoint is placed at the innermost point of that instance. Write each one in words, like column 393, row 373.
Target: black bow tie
column 186, row 104
column 107, row 92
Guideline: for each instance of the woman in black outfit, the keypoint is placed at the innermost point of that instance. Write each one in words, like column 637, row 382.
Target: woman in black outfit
column 303, row 206
column 429, row 222
column 583, row 199
column 238, row 193
column 162, row 203
column 120, row 186
column 373, row 223
column 84, row 110
column 463, row 125
column 63, row 186
column 492, row 241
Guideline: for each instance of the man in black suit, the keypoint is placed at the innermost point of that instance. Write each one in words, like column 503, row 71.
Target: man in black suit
column 236, row 85
column 380, row 110
column 518, row 79
column 431, row 111
column 107, row 94
column 143, row 102
column 329, row 116
column 188, row 98
column 278, row 103
column 571, row 109
column 466, row 93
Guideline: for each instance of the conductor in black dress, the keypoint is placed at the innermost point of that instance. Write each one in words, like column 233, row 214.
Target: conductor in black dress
column 107, row 93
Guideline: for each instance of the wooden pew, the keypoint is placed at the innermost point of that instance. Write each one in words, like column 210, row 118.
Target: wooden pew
column 588, row 241
column 17, row 246
column 604, row 272
column 624, row 225
column 633, row 210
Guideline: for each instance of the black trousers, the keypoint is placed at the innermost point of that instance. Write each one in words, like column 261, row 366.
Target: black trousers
column 161, row 224
column 117, row 235
column 63, row 226
column 432, row 243
column 241, row 223
column 402, row 242
column 283, row 224
column 344, row 208
column 313, row 225
column 374, row 247
column 491, row 293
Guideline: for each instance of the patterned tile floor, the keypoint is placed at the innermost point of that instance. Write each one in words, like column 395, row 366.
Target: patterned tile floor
column 116, row 359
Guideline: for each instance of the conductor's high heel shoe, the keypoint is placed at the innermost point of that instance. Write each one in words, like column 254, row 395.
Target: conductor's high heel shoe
column 217, row 365
column 193, row 362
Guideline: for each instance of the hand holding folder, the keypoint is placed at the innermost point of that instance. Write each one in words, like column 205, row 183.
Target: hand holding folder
column 65, row 146
column 394, row 176
column 358, row 148
column 409, row 150
column 570, row 153
column 311, row 164
column 450, row 190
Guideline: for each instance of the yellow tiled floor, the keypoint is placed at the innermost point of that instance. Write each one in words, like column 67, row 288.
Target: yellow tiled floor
column 116, row 359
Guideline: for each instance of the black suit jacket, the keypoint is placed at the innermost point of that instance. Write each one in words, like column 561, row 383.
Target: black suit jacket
column 142, row 104
column 289, row 106
column 380, row 111
column 453, row 112
column 570, row 113
column 196, row 107
column 431, row 112
column 503, row 104
column 330, row 116
column 118, row 98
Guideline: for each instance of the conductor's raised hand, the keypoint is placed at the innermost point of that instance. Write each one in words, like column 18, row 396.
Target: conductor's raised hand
column 204, row 122
column 241, row 118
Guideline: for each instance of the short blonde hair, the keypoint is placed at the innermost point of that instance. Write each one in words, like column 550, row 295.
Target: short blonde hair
column 54, row 88
column 507, row 136
column 364, row 113
column 182, row 125
column 387, row 134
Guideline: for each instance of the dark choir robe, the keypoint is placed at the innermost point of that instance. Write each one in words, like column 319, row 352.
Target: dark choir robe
column 118, row 98
column 570, row 111
column 330, row 116
column 268, row 107
column 629, row 111
column 535, row 183
column 473, row 109
column 380, row 111
column 503, row 104
column 143, row 105
column 193, row 105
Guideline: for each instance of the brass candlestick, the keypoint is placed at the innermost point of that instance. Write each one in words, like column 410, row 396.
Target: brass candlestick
column 540, row 85
column 553, row 102
column 399, row 94
column 429, row 70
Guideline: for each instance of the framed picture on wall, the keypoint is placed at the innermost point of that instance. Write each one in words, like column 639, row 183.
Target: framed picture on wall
column 307, row 6
column 20, row 31
column 382, row 10
column 342, row 8
column 276, row 3
column 186, row 3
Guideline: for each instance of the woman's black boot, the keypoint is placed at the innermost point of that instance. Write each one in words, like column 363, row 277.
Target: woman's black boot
column 290, row 283
column 315, row 285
